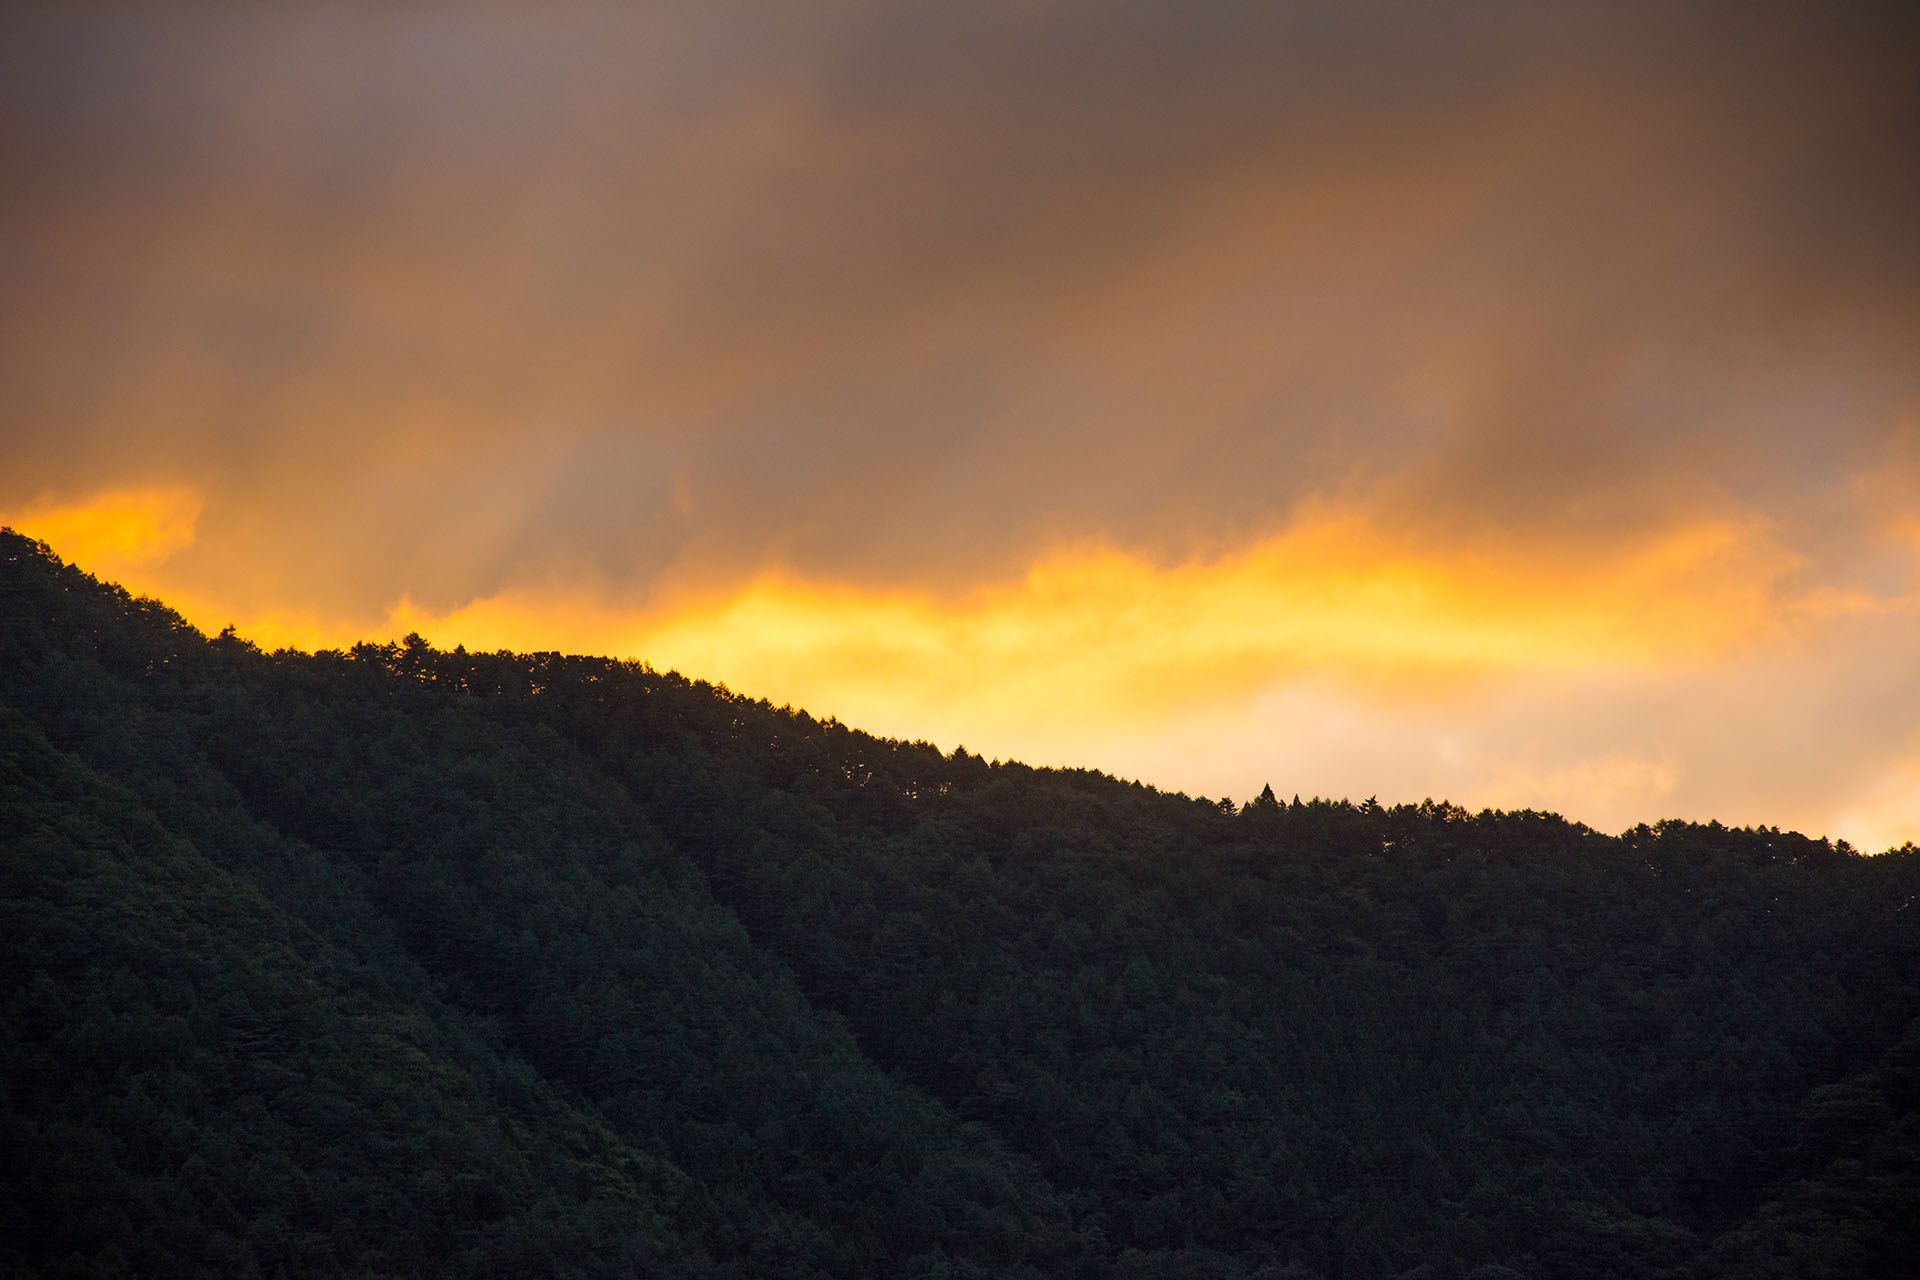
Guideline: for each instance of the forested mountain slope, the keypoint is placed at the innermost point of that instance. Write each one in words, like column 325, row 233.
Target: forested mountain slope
column 403, row 962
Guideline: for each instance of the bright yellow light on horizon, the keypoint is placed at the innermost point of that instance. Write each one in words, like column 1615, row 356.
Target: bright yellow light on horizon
column 1101, row 638
column 1090, row 635
column 1094, row 652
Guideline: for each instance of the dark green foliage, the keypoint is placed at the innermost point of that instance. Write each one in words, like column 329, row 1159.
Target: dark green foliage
column 406, row 962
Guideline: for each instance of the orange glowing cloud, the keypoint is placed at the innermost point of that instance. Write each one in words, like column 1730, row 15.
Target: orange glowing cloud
column 1609, row 682
column 116, row 531
column 1102, row 638
column 1516, row 412
column 1098, row 637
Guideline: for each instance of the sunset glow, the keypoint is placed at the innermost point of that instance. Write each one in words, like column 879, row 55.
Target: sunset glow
column 1536, row 423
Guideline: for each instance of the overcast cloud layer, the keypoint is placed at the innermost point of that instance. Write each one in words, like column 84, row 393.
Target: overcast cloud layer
column 1516, row 402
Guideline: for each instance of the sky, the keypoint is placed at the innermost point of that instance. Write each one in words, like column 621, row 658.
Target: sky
column 1511, row 403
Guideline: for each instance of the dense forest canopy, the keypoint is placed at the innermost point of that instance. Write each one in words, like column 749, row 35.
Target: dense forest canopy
column 403, row 962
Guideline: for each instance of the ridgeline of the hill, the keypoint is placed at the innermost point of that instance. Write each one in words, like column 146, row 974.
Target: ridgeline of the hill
column 399, row 962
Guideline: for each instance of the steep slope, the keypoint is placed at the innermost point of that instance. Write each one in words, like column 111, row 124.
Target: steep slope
column 195, row 1081
column 490, row 870
column 534, row 963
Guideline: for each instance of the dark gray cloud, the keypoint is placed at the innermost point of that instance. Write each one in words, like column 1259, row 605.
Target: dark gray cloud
column 444, row 300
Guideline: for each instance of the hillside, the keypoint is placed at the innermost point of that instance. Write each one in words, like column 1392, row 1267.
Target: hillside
column 402, row 962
